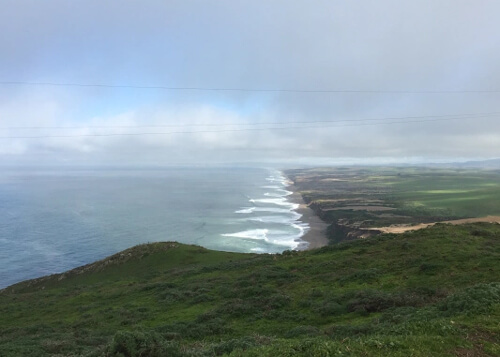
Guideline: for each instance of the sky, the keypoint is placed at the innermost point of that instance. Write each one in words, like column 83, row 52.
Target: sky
column 297, row 82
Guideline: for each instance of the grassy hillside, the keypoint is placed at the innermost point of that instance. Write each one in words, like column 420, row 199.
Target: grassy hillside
column 425, row 293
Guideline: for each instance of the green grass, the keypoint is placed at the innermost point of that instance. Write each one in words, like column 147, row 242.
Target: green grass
column 407, row 195
column 462, row 193
column 425, row 293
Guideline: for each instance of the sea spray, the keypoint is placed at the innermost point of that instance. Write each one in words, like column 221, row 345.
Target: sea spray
column 280, row 211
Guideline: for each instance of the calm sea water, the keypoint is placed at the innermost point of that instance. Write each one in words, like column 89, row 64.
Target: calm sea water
column 53, row 220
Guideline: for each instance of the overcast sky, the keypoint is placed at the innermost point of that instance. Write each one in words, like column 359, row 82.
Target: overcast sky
column 404, row 47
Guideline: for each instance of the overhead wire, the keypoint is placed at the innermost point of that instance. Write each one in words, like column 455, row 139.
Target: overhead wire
column 232, row 130
column 248, row 126
column 458, row 116
column 236, row 89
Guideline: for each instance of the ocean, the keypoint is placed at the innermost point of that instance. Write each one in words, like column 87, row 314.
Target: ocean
column 52, row 220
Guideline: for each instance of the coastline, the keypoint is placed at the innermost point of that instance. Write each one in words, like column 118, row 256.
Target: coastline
column 316, row 235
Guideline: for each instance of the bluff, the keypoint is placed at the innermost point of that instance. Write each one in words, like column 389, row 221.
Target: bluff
column 433, row 292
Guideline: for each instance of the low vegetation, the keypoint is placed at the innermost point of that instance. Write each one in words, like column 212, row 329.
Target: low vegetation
column 356, row 200
column 425, row 293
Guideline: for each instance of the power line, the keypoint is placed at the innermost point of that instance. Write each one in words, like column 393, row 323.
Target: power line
column 263, row 90
column 454, row 116
column 225, row 130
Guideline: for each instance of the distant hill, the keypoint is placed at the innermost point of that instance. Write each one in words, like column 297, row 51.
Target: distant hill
column 486, row 164
column 434, row 292
column 479, row 164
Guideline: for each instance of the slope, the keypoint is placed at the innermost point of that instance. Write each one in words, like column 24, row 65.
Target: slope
column 430, row 292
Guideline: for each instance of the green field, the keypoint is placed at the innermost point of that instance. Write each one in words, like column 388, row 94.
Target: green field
column 371, row 197
column 434, row 292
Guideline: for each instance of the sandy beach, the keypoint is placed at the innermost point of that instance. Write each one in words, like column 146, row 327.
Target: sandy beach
column 316, row 236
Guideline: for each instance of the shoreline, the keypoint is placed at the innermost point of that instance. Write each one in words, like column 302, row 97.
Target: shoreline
column 315, row 237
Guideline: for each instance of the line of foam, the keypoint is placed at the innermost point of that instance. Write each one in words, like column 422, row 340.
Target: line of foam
column 262, row 205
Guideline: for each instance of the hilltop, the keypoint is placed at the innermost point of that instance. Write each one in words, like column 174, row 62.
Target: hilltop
column 434, row 292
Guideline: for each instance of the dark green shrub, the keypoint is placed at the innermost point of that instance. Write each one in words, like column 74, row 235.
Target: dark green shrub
column 288, row 253
column 304, row 303
column 237, row 308
column 343, row 331
column 425, row 291
column 226, row 347
column 158, row 286
column 407, row 245
column 276, row 301
column 39, row 328
column 473, row 300
column 255, row 291
column 369, row 301
column 362, row 276
column 331, row 308
column 268, row 274
column 316, row 293
column 199, row 298
column 481, row 233
column 195, row 329
column 139, row 343
column 254, row 305
column 397, row 315
column 430, row 268
column 207, row 316
column 303, row 331
column 172, row 295
column 282, row 315
column 58, row 346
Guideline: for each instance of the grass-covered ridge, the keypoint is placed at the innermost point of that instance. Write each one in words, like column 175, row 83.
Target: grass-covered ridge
column 429, row 292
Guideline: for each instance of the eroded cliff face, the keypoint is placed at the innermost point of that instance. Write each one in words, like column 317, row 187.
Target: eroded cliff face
column 360, row 202
column 338, row 233
column 348, row 215
column 341, row 229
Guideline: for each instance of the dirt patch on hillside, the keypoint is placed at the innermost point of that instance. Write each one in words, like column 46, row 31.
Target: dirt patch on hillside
column 406, row 228
column 360, row 208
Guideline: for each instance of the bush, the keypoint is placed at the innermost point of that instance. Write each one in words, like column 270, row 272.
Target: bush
column 481, row 233
column 254, row 305
column 343, row 331
column 195, row 329
column 58, row 346
column 199, row 298
column 331, row 308
column 362, row 276
column 397, row 315
column 273, row 274
column 226, row 347
column 370, row 301
column 473, row 300
column 276, row 301
column 430, row 268
column 303, row 331
column 139, row 343
column 237, row 308
column 245, row 291
column 282, row 315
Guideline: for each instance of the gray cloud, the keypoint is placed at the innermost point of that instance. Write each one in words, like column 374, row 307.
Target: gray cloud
column 356, row 45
